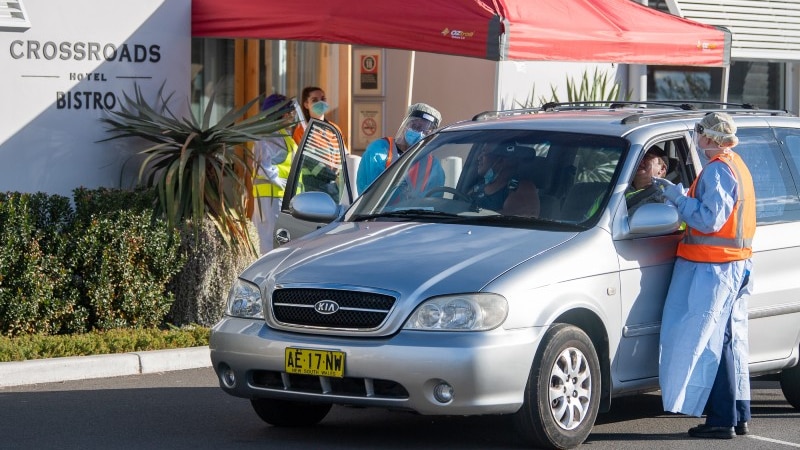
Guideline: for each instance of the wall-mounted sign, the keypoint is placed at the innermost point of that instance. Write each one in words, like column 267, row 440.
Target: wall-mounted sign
column 368, row 123
column 75, row 61
column 368, row 72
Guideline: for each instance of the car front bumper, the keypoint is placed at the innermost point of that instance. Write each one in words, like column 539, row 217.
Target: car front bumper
column 487, row 371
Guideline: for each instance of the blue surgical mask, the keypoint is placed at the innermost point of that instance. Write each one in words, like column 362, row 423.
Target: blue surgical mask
column 320, row 108
column 489, row 176
column 412, row 137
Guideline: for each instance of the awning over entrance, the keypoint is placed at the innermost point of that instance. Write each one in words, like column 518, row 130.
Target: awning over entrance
column 620, row 31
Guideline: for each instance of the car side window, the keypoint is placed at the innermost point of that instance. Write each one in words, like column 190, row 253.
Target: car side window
column 318, row 165
column 776, row 194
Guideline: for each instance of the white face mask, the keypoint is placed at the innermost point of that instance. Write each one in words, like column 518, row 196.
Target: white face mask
column 704, row 153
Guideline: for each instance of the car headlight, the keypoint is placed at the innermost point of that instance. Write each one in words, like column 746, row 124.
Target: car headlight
column 244, row 300
column 463, row 312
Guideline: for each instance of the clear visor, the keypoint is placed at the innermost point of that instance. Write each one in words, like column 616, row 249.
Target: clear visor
column 716, row 136
column 418, row 124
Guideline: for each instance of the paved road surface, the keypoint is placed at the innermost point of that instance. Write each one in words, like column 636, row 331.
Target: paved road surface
column 186, row 409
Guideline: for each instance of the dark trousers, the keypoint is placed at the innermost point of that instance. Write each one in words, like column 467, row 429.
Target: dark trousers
column 722, row 408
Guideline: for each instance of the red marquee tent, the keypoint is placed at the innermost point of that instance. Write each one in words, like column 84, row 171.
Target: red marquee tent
column 620, row 31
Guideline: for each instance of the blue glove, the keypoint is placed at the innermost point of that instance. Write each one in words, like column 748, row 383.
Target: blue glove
column 673, row 193
column 662, row 183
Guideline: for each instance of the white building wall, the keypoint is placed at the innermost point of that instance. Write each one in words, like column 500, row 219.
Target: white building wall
column 54, row 86
column 461, row 87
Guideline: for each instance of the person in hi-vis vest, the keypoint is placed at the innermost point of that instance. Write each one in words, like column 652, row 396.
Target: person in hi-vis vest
column 703, row 361
column 274, row 155
column 420, row 121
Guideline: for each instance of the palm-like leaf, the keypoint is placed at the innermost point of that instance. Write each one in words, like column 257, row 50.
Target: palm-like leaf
column 198, row 169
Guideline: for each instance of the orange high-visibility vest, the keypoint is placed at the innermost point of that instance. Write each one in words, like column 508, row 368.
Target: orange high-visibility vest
column 734, row 241
column 413, row 173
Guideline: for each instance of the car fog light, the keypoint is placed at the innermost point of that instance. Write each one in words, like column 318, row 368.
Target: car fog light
column 227, row 377
column 443, row 392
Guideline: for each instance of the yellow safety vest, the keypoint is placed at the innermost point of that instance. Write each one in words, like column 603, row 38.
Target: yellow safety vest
column 261, row 185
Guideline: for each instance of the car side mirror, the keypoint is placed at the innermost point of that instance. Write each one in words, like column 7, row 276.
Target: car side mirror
column 314, row 207
column 655, row 218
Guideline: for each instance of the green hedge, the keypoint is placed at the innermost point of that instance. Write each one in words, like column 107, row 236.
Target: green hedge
column 36, row 346
column 100, row 265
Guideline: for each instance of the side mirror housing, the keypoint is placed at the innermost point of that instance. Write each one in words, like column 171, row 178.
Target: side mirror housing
column 655, row 218
column 314, row 207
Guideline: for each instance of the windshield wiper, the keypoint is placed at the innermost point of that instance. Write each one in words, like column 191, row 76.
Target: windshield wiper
column 536, row 222
column 407, row 214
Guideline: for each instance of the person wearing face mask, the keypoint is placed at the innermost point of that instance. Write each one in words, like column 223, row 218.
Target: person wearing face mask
column 500, row 189
column 314, row 104
column 325, row 175
column 421, row 120
column 273, row 155
column 703, row 343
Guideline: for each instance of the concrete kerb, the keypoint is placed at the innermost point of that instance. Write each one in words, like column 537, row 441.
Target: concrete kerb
column 54, row 370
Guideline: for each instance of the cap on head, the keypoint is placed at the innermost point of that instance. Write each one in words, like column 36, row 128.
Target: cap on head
column 511, row 148
column 274, row 100
column 426, row 112
column 660, row 153
column 720, row 128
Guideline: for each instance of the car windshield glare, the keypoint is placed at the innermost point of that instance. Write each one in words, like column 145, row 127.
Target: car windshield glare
column 537, row 175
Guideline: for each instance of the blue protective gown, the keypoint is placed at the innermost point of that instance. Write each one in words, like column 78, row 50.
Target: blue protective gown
column 373, row 163
column 700, row 301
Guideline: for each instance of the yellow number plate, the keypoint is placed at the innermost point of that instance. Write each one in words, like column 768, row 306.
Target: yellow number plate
column 324, row 363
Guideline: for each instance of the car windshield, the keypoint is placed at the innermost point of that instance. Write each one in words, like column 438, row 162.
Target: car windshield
column 497, row 177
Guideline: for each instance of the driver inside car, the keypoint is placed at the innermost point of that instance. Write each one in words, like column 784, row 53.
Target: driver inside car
column 501, row 186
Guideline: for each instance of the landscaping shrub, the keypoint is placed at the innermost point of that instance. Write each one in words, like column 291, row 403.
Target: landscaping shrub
column 36, row 290
column 104, row 264
column 124, row 258
column 37, row 346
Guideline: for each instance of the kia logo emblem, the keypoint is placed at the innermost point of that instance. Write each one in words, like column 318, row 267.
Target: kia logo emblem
column 326, row 307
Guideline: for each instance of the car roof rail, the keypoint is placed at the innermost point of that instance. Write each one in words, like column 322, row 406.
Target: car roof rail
column 647, row 116
column 679, row 108
column 503, row 112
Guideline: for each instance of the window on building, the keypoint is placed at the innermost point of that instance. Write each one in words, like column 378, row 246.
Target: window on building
column 759, row 83
column 283, row 66
column 754, row 82
column 212, row 71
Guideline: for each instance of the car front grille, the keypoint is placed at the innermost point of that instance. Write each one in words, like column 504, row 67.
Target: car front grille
column 354, row 310
column 347, row 387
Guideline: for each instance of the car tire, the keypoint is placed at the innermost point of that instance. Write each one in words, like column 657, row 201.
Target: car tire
column 287, row 413
column 790, row 385
column 562, row 396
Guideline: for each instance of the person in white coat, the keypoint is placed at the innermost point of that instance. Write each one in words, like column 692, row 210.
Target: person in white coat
column 703, row 346
column 274, row 155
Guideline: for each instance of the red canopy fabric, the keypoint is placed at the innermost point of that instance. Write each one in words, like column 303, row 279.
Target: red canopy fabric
column 620, row 31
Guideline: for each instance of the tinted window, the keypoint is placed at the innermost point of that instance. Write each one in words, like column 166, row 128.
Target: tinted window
column 776, row 194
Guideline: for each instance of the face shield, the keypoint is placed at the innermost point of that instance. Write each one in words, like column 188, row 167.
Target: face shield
column 709, row 142
column 415, row 127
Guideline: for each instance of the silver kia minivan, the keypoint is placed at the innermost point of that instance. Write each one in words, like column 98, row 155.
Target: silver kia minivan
column 420, row 297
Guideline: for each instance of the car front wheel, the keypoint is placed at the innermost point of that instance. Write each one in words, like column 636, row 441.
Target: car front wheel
column 790, row 385
column 287, row 413
column 562, row 396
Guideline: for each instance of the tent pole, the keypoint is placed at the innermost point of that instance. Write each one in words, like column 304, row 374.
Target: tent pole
column 726, row 73
column 413, row 57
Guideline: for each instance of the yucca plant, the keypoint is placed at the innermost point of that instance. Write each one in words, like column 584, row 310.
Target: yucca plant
column 198, row 169
column 599, row 87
